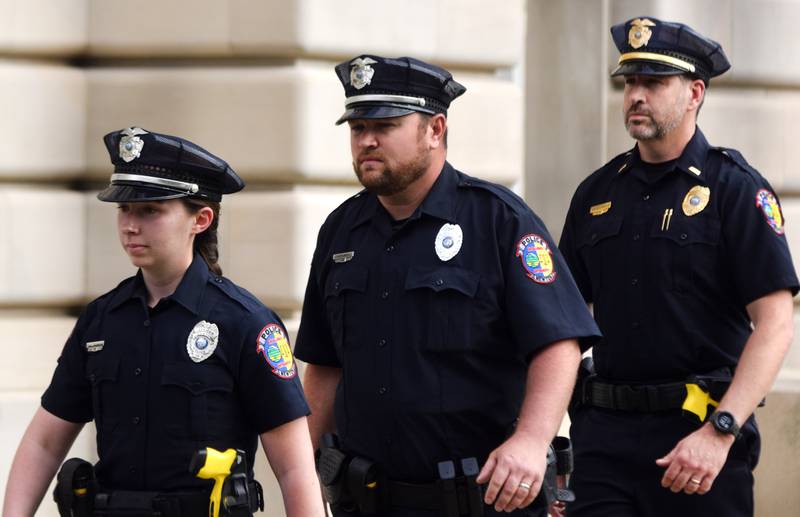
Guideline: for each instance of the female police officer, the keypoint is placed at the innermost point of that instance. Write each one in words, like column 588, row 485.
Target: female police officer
column 174, row 359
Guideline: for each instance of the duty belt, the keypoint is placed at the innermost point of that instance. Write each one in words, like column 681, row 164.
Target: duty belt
column 190, row 504
column 643, row 398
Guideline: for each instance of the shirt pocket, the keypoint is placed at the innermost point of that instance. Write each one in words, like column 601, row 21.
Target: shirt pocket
column 442, row 304
column 686, row 252
column 346, row 306
column 198, row 401
column 599, row 249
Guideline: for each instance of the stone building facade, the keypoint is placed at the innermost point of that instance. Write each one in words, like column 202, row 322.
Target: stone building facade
column 252, row 80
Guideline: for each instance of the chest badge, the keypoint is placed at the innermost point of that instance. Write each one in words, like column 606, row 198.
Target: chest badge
column 273, row 344
column 448, row 241
column 600, row 209
column 537, row 259
column 695, row 200
column 202, row 341
column 766, row 201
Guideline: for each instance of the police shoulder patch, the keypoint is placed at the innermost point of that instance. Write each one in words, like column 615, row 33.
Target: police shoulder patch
column 537, row 259
column 273, row 344
column 768, row 203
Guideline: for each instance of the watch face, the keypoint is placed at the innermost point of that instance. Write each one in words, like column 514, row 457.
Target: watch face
column 725, row 421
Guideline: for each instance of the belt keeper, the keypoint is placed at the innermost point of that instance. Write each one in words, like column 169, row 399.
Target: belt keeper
column 447, row 482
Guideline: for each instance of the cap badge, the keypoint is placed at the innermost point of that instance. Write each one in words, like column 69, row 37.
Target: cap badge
column 274, row 346
column 640, row 32
column 536, row 258
column 695, row 200
column 202, row 341
column 360, row 72
column 766, row 201
column 130, row 145
column 448, row 241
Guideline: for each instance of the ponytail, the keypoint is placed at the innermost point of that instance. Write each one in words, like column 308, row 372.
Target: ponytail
column 205, row 244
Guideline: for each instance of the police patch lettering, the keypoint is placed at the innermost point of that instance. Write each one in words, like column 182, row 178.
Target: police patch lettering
column 273, row 344
column 537, row 259
column 766, row 201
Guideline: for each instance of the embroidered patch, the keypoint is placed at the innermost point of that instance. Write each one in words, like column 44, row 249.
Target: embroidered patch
column 273, row 344
column 765, row 200
column 537, row 259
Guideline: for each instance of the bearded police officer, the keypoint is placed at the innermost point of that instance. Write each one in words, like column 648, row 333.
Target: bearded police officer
column 440, row 323
column 680, row 248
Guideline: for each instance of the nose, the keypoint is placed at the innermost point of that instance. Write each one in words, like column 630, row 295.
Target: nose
column 128, row 224
column 366, row 139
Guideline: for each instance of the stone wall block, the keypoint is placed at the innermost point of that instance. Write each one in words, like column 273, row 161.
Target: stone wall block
column 43, row 27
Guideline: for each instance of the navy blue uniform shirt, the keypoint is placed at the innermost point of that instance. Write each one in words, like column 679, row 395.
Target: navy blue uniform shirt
column 670, row 256
column 128, row 367
column 435, row 345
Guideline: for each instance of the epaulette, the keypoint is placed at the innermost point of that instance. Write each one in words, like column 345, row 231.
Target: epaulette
column 503, row 193
column 242, row 296
column 736, row 157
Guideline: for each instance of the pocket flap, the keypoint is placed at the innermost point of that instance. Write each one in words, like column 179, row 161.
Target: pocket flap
column 442, row 278
column 600, row 229
column 690, row 231
column 100, row 371
column 197, row 378
column 347, row 278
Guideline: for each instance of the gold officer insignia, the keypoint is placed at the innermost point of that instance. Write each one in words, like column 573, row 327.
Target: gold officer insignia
column 640, row 32
column 600, row 209
column 695, row 200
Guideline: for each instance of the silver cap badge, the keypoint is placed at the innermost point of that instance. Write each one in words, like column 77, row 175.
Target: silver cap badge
column 202, row 341
column 448, row 241
column 130, row 145
column 360, row 72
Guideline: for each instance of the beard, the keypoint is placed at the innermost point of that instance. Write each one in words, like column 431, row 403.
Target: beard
column 654, row 127
column 388, row 179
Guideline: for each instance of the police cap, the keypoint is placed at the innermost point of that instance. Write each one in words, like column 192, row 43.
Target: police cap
column 649, row 46
column 150, row 166
column 379, row 87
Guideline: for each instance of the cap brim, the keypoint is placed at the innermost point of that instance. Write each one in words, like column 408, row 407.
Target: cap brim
column 641, row 67
column 374, row 111
column 136, row 193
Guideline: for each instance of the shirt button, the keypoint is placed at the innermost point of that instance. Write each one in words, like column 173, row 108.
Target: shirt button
column 137, row 371
column 684, row 236
column 439, row 282
column 635, row 325
column 385, row 294
column 594, row 236
column 336, row 285
column 132, row 469
column 218, row 280
column 382, row 343
column 136, row 420
column 390, row 248
column 636, row 236
column 92, row 377
column 634, row 281
column 646, row 197
column 383, row 390
column 146, row 323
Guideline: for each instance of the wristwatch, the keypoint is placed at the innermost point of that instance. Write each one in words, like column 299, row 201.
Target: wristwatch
column 725, row 423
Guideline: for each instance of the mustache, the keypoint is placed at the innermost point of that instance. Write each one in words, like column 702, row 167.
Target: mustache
column 638, row 109
column 369, row 156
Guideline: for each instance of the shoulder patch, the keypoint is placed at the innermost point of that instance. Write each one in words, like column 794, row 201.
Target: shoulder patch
column 536, row 258
column 768, row 203
column 273, row 344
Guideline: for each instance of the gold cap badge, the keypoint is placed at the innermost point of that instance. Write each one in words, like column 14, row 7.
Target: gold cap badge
column 640, row 32
column 695, row 200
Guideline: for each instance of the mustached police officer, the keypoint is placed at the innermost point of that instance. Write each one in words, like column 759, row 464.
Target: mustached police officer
column 172, row 361
column 440, row 322
column 680, row 247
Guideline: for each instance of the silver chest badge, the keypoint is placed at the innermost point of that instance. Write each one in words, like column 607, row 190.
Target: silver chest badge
column 202, row 341
column 130, row 145
column 448, row 241
column 360, row 72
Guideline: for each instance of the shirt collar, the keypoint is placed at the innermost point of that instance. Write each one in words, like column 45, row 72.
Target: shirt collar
column 691, row 161
column 439, row 202
column 189, row 292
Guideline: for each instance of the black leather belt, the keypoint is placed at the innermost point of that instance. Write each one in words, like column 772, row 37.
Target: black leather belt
column 423, row 496
column 643, row 398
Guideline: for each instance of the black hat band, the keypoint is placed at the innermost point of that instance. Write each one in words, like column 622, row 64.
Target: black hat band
column 400, row 99
column 189, row 188
column 652, row 56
